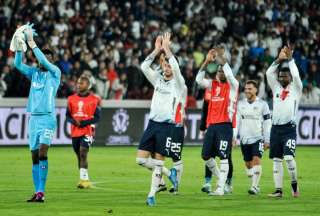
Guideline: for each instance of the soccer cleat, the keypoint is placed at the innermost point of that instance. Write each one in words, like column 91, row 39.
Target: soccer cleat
column 254, row 190
column 84, row 184
column 296, row 193
column 276, row 194
column 228, row 189
column 39, row 197
column 173, row 178
column 173, row 190
column 33, row 198
column 206, row 188
column 151, row 201
column 161, row 187
column 217, row 192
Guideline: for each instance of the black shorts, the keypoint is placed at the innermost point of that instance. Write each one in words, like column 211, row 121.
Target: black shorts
column 83, row 141
column 218, row 141
column 155, row 137
column 251, row 150
column 283, row 140
column 174, row 144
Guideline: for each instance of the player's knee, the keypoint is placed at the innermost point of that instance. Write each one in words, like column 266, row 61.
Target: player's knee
column 256, row 160
column 42, row 158
column 288, row 158
column 83, row 155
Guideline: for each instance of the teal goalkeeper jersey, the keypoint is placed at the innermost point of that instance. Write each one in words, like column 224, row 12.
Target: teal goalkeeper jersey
column 44, row 85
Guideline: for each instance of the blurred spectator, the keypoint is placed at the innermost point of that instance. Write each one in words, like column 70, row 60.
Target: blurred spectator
column 310, row 95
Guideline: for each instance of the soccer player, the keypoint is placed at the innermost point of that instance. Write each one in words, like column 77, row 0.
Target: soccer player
column 286, row 87
column 218, row 137
column 45, row 81
column 83, row 112
column 162, row 111
column 203, row 127
column 177, row 137
column 253, row 124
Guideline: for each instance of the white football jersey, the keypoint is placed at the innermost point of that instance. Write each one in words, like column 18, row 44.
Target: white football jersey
column 253, row 121
column 166, row 95
column 285, row 100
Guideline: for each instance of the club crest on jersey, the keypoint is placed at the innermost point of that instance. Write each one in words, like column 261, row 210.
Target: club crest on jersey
column 284, row 94
column 120, row 121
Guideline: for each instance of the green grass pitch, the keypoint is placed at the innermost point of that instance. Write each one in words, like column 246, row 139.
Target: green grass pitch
column 122, row 186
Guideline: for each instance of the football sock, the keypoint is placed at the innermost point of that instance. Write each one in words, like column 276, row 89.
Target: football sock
column 277, row 173
column 43, row 173
column 145, row 162
column 257, row 172
column 224, row 169
column 35, row 176
column 292, row 169
column 213, row 167
column 208, row 174
column 156, row 177
column 249, row 172
column 165, row 171
column 84, row 174
column 230, row 172
column 229, row 180
column 178, row 165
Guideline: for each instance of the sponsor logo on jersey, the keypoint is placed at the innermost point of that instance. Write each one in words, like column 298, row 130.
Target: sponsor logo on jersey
column 37, row 85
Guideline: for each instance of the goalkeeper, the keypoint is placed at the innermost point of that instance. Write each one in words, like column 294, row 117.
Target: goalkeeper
column 45, row 80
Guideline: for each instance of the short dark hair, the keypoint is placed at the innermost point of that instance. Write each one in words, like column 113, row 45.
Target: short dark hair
column 254, row 83
column 47, row 52
column 284, row 69
column 85, row 77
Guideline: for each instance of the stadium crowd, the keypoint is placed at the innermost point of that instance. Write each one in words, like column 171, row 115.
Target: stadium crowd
column 109, row 39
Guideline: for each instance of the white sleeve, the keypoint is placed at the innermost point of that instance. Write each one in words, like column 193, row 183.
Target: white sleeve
column 150, row 74
column 203, row 82
column 176, row 72
column 295, row 76
column 266, row 124
column 184, row 97
column 272, row 75
column 230, row 77
column 238, row 125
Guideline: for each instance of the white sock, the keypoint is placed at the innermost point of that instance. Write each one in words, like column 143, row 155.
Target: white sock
column 277, row 173
column 249, row 172
column 156, row 177
column 166, row 171
column 224, row 169
column 162, row 181
column 292, row 167
column 257, row 172
column 84, row 174
column 145, row 162
column 179, row 167
column 213, row 167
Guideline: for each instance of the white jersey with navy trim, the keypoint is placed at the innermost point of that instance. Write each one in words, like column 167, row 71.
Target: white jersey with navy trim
column 253, row 121
column 166, row 93
column 285, row 100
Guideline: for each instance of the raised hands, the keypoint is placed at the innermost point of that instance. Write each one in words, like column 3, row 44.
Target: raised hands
column 211, row 56
column 221, row 59
column 285, row 54
column 158, row 43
